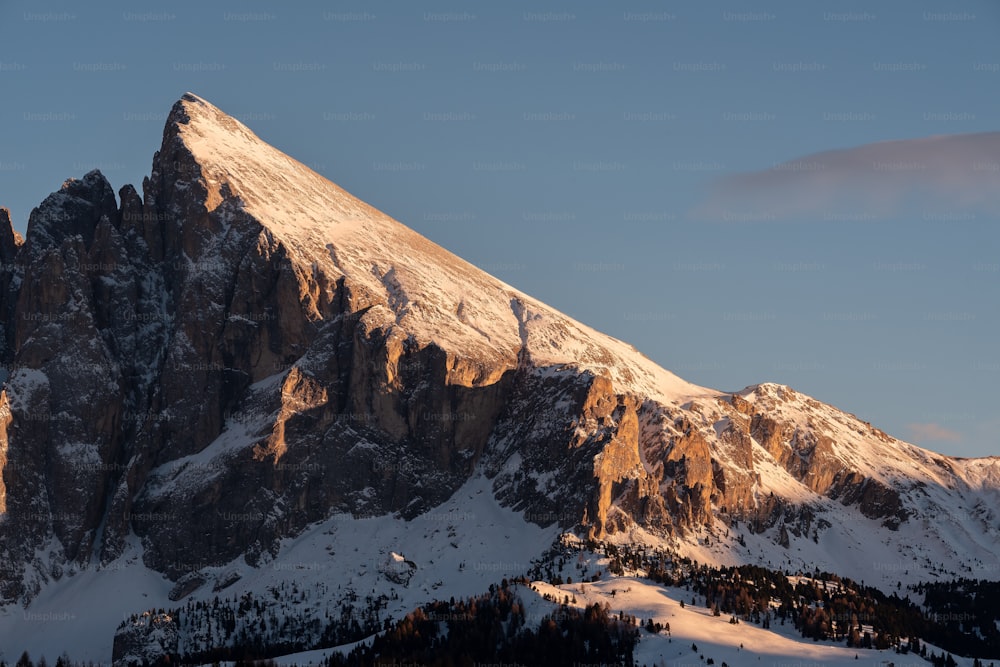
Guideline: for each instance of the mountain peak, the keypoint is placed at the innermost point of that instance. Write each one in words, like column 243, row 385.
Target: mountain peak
column 189, row 98
column 213, row 163
column 192, row 108
column 234, row 165
column 193, row 113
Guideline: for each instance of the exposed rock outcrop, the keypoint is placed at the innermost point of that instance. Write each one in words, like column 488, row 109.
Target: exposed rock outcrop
column 253, row 349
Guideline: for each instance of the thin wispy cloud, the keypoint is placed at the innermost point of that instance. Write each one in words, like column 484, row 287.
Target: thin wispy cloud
column 952, row 174
column 932, row 432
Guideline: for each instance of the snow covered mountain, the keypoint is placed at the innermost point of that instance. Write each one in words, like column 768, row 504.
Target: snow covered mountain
column 248, row 359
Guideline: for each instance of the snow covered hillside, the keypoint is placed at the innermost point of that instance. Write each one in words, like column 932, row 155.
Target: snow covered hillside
column 457, row 549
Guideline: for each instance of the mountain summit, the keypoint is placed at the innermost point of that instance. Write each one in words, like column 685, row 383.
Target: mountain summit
column 433, row 295
column 254, row 350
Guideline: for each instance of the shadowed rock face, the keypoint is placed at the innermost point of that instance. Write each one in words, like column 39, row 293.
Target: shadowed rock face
column 188, row 372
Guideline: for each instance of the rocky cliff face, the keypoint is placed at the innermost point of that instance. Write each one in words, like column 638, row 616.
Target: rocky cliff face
column 247, row 349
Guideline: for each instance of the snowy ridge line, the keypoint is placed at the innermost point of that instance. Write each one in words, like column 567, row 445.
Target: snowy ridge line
column 448, row 301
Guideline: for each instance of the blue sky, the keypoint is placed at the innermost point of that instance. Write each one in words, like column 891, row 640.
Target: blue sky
column 594, row 155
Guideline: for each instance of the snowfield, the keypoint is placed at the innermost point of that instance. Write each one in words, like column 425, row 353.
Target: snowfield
column 742, row 645
column 458, row 548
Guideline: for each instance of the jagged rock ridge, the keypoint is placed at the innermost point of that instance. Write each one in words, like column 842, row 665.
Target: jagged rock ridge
column 254, row 349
